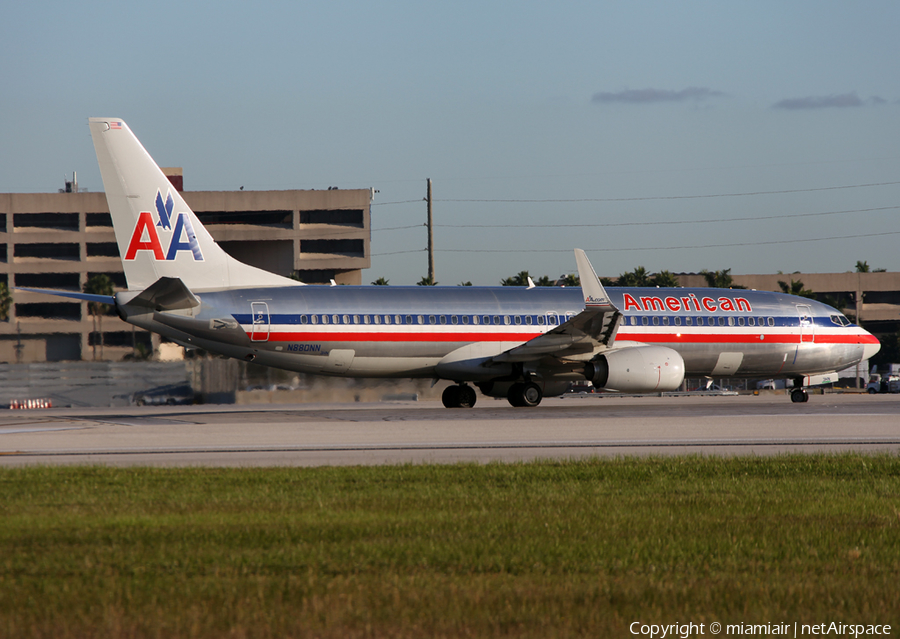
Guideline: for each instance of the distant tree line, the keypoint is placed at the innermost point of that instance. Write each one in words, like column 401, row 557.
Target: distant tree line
column 641, row 277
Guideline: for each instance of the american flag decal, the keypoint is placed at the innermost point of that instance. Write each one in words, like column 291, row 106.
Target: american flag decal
column 115, row 125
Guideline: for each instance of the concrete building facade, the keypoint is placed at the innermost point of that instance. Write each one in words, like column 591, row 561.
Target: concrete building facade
column 60, row 240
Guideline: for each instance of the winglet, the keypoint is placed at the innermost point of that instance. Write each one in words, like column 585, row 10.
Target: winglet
column 593, row 291
column 584, row 336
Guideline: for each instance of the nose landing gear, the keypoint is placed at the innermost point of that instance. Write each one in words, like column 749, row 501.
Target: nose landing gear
column 799, row 394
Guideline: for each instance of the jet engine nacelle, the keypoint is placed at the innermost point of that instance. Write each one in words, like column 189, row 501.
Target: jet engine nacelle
column 637, row 369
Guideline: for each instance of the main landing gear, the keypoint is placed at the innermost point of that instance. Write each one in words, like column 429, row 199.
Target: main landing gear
column 526, row 394
column 459, row 396
column 520, row 395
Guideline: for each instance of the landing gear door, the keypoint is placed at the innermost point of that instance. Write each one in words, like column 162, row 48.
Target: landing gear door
column 260, row 313
column 807, row 326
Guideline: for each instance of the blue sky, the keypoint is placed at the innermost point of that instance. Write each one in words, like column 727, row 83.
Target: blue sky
column 676, row 136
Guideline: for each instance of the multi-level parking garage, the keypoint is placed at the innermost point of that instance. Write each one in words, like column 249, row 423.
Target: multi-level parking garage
column 60, row 240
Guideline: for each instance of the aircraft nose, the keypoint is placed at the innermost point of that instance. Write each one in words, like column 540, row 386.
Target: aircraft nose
column 871, row 345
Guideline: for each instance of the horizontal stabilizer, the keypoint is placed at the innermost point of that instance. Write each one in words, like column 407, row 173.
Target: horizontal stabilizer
column 166, row 294
column 87, row 297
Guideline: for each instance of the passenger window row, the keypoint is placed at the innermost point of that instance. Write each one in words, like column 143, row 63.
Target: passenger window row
column 665, row 320
column 550, row 319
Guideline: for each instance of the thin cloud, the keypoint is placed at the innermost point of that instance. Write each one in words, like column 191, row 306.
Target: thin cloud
column 844, row 100
column 650, row 96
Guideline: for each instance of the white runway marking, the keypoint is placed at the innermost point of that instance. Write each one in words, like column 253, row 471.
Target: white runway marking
column 35, row 429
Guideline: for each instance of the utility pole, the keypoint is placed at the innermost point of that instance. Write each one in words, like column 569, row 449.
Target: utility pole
column 19, row 346
column 430, row 237
column 859, row 305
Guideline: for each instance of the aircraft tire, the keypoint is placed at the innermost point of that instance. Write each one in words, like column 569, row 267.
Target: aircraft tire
column 799, row 396
column 532, row 394
column 525, row 395
column 467, row 396
column 515, row 395
column 451, row 397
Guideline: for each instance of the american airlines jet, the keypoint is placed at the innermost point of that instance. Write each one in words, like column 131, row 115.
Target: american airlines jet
column 514, row 342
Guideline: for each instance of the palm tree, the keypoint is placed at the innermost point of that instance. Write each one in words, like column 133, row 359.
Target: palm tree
column 796, row 288
column 719, row 279
column 862, row 267
column 638, row 277
column 834, row 302
column 98, row 284
column 664, row 279
column 381, row 282
column 426, row 281
column 570, row 280
column 521, row 279
column 467, row 283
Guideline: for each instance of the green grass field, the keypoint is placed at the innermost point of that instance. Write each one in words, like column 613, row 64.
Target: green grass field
column 580, row 548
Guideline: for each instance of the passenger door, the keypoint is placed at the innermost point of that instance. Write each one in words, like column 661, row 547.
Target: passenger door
column 807, row 326
column 260, row 313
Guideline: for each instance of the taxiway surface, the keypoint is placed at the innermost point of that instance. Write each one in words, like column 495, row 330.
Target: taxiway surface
column 384, row 433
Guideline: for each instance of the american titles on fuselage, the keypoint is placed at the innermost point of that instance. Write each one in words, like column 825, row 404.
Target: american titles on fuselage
column 686, row 303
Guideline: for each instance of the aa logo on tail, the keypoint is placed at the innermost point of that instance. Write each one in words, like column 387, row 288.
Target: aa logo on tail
column 145, row 237
column 165, row 210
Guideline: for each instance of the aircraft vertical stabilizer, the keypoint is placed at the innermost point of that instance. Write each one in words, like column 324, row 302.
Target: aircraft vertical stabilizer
column 157, row 233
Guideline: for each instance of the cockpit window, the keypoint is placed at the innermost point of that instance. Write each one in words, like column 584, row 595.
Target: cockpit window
column 840, row 320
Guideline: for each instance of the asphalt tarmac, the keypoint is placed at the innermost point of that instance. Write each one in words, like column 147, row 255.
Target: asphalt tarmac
column 422, row 432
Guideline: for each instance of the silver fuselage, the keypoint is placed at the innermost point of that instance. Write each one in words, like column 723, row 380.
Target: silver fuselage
column 375, row 331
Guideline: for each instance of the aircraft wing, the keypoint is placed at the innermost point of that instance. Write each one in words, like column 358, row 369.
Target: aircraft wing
column 591, row 331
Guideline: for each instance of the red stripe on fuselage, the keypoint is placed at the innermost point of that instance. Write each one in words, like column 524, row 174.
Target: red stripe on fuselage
column 468, row 337
column 344, row 336
column 746, row 338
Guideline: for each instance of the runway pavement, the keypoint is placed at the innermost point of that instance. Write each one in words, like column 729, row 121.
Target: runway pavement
column 398, row 432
